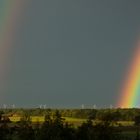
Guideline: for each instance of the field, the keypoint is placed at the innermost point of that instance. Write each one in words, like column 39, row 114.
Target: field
column 102, row 119
column 74, row 121
column 40, row 119
column 127, row 125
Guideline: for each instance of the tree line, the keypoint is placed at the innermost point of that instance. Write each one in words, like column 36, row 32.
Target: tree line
column 55, row 128
column 118, row 114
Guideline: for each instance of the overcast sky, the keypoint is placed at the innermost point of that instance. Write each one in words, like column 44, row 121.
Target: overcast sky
column 72, row 52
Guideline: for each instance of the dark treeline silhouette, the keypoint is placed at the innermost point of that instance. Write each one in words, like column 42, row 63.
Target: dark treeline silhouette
column 98, row 114
column 55, row 128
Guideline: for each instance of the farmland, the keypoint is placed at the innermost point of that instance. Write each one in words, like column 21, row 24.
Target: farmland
column 74, row 121
column 120, row 123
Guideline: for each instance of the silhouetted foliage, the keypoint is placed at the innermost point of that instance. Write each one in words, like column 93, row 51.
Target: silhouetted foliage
column 137, row 120
column 86, row 131
column 100, row 125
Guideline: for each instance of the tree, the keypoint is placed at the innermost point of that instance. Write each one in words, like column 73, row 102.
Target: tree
column 137, row 124
column 137, row 120
column 86, row 131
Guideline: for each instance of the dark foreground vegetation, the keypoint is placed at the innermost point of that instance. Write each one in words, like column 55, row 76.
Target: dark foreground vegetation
column 101, row 124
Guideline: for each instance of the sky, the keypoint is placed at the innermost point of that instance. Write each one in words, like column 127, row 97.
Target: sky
column 72, row 52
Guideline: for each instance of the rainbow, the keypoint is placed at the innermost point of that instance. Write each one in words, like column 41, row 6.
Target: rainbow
column 10, row 12
column 130, row 92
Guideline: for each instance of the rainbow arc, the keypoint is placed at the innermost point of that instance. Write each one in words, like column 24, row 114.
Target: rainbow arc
column 10, row 12
column 130, row 92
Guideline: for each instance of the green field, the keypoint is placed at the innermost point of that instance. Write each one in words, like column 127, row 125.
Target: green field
column 74, row 121
column 41, row 119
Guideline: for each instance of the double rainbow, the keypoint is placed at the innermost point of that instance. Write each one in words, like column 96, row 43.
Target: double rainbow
column 10, row 11
column 130, row 92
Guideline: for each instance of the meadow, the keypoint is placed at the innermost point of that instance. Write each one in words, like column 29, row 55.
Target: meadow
column 82, row 123
column 41, row 119
column 74, row 121
column 127, row 128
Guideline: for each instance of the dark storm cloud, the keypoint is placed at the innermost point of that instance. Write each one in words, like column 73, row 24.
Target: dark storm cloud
column 73, row 52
